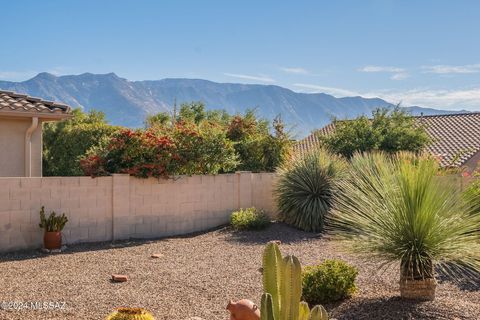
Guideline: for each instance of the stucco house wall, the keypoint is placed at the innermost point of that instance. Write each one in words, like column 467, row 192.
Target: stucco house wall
column 21, row 120
column 12, row 147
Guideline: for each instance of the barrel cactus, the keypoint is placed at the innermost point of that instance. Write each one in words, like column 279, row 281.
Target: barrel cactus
column 130, row 314
column 282, row 284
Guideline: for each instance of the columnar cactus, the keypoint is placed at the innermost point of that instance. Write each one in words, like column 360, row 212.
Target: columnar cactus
column 282, row 284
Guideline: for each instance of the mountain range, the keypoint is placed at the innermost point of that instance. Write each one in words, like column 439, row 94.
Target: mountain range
column 127, row 102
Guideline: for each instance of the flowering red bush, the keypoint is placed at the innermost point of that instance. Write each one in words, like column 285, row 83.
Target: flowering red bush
column 184, row 148
column 141, row 153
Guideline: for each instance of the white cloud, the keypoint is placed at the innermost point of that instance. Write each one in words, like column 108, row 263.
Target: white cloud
column 400, row 76
column 259, row 78
column 294, row 70
column 381, row 69
column 312, row 88
column 454, row 99
column 447, row 69
column 397, row 73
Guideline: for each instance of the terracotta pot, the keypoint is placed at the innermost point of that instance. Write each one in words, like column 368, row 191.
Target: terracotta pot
column 52, row 240
column 421, row 289
column 243, row 310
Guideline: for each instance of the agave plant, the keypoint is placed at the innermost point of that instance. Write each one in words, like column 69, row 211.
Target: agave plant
column 397, row 209
column 306, row 188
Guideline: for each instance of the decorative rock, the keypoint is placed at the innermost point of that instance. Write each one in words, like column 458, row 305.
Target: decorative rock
column 157, row 255
column 119, row 278
column 45, row 250
column 243, row 310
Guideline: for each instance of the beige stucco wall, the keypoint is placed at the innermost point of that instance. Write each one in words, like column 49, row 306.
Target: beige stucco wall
column 123, row 207
column 12, row 147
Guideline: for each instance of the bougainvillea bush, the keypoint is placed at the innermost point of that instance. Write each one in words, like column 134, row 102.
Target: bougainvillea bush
column 194, row 141
column 184, row 148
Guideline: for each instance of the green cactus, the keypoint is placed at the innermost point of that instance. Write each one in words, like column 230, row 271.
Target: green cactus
column 282, row 284
column 130, row 314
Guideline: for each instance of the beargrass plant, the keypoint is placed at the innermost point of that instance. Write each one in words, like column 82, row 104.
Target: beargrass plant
column 397, row 209
column 306, row 188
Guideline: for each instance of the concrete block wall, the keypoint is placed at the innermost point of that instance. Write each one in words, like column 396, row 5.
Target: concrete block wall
column 122, row 207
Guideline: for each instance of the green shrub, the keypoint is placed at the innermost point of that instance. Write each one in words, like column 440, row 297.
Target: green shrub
column 306, row 188
column 332, row 280
column 249, row 219
column 472, row 196
column 66, row 142
column 387, row 130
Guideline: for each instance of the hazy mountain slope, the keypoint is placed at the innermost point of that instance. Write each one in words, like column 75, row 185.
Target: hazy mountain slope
column 128, row 102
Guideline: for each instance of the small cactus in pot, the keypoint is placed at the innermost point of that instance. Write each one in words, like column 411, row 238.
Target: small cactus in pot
column 53, row 226
column 130, row 314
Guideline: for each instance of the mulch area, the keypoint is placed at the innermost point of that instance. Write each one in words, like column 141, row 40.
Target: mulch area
column 198, row 274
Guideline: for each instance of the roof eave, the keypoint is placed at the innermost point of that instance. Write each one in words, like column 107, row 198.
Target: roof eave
column 43, row 116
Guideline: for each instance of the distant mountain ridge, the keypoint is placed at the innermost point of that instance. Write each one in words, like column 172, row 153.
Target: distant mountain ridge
column 128, row 102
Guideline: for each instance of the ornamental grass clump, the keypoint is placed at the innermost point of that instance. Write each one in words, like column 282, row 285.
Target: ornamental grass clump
column 306, row 189
column 397, row 209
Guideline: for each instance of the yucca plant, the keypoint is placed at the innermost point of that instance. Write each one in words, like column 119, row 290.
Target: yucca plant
column 397, row 209
column 306, row 188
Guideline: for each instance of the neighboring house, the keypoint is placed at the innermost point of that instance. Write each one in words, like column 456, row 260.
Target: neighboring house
column 455, row 138
column 21, row 119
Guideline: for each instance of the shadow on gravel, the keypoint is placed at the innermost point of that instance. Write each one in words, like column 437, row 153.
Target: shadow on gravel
column 95, row 246
column 276, row 231
column 471, row 281
column 393, row 308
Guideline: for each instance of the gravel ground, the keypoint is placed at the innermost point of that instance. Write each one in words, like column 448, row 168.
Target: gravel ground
column 198, row 275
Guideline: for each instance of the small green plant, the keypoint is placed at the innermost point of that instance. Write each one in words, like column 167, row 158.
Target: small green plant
column 52, row 223
column 332, row 280
column 282, row 285
column 249, row 219
column 130, row 314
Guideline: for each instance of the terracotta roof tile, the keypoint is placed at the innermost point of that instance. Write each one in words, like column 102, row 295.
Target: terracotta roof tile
column 456, row 137
column 11, row 101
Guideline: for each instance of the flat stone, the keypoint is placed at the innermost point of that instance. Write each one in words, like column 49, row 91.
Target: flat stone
column 157, row 255
column 62, row 249
column 119, row 278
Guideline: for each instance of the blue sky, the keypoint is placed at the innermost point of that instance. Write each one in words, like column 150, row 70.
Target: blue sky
column 417, row 52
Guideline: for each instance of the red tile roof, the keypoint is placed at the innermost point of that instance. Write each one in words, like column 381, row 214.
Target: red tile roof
column 21, row 103
column 456, row 137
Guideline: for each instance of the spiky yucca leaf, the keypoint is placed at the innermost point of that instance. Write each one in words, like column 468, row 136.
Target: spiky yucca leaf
column 306, row 188
column 398, row 209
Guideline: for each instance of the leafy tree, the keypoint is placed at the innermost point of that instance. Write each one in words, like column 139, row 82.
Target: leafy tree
column 65, row 142
column 258, row 149
column 256, row 146
column 389, row 131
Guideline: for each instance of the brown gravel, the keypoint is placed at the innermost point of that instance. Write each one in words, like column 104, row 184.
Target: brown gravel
column 198, row 275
